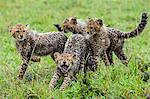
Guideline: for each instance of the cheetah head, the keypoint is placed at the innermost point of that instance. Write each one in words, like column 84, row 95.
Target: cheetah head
column 93, row 26
column 19, row 32
column 64, row 61
column 69, row 24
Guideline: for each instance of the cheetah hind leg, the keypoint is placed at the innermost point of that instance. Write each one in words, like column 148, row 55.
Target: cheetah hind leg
column 92, row 63
column 35, row 59
column 110, row 56
column 106, row 59
column 120, row 54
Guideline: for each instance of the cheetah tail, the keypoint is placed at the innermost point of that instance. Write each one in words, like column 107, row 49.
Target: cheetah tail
column 138, row 30
column 58, row 27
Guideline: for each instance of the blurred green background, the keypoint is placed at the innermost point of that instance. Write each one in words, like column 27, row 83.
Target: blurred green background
column 116, row 81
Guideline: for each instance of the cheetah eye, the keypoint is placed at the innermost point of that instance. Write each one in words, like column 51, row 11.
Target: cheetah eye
column 91, row 27
column 24, row 31
column 64, row 26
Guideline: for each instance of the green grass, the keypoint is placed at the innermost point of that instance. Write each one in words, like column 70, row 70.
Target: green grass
column 117, row 81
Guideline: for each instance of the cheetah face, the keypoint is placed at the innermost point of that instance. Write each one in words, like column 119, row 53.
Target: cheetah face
column 64, row 61
column 19, row 32
column 69, row 24
column 93, row 26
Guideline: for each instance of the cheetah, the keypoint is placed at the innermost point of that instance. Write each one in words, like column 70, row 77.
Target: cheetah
column 117, row 37
column 98, row 38
column 31, row 44
column 70, row 61
column 72, row 24
column 117, row 40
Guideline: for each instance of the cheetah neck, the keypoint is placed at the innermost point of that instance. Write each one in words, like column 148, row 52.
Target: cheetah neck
column 77, row 30
column 102, row 33
column 33, row 35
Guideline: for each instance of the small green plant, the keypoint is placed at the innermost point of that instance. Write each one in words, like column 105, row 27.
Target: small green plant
column 112, row 82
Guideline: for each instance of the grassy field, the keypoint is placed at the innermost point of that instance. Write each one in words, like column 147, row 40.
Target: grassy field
column 116, row 81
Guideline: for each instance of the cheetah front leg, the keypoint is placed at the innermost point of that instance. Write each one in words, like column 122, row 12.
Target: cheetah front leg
column 110, row 58
column 106, row 59
column 92, row 63
column 65, row 83
column 22, row 70
column 25, row 57
column 109, row 55
column 53, row 81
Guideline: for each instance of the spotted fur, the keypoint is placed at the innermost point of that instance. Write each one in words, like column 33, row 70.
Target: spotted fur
column 72, row 24
column 98, row 38
column 70, row 61
column 77, row 26
column 30, row 43
column 117, row 39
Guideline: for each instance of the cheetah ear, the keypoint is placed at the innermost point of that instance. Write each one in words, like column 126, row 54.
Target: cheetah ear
column 27, row 25
column 56, row 55
column 9, row 29
column 88, row 18
column 100, row 22
column 66, row 20
column 75, row 18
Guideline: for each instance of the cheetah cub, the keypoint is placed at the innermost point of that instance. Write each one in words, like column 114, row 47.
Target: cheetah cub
column 98, row 38
column 117, row 40
column 31, row 44
column 70, row 61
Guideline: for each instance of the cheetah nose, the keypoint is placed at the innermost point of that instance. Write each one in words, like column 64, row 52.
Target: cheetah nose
column 21, row 36
column 64, row 62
